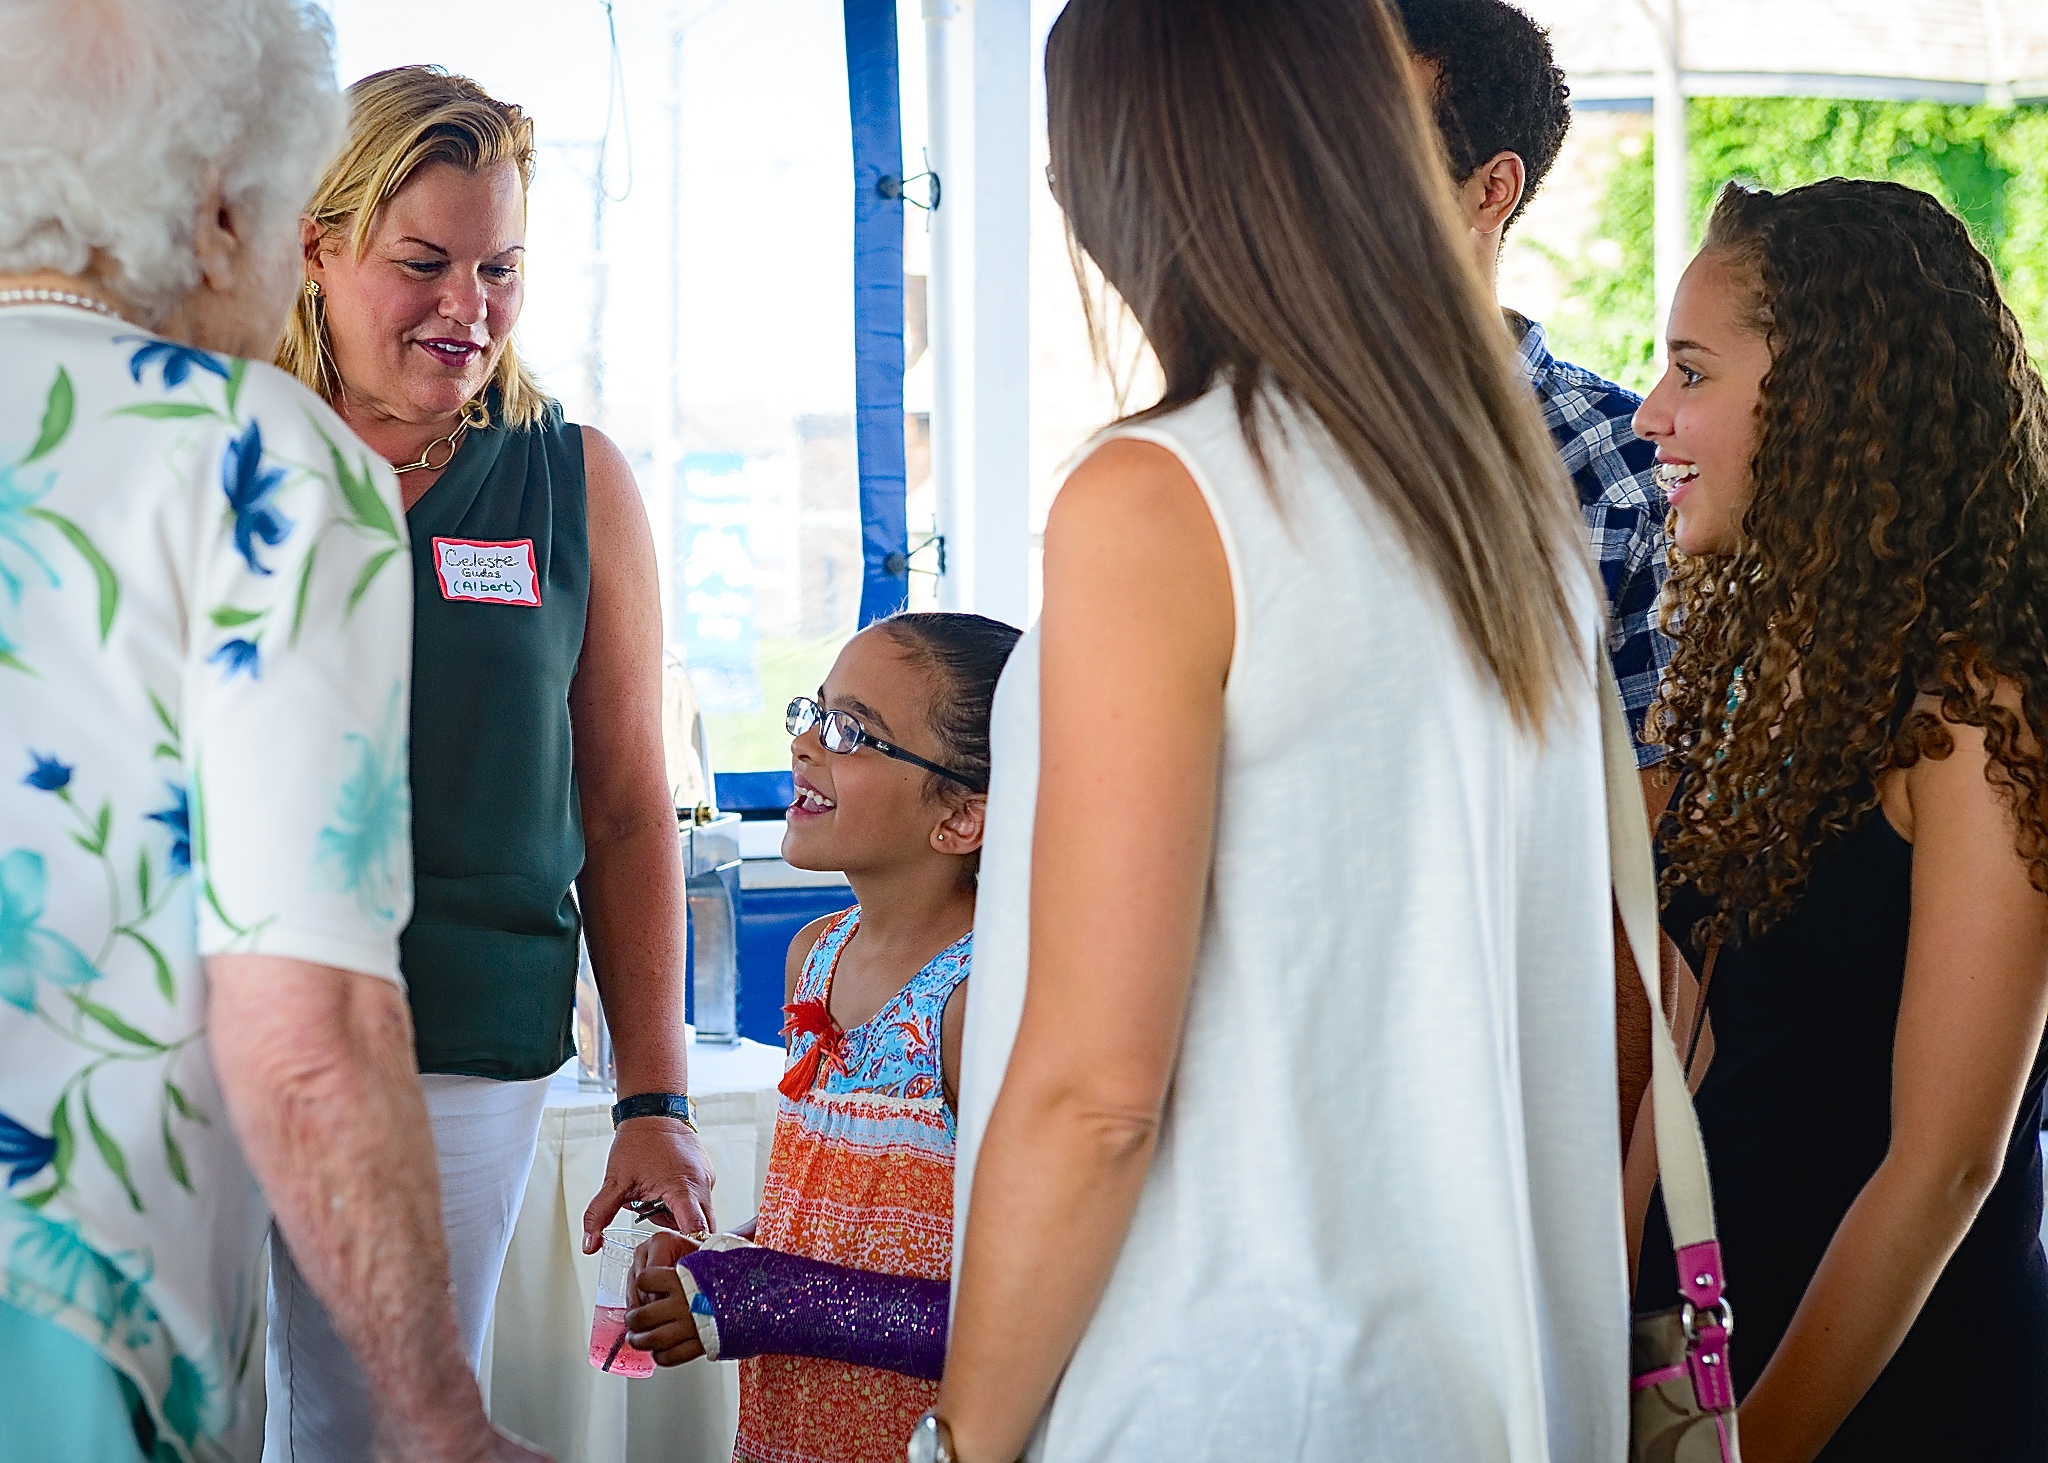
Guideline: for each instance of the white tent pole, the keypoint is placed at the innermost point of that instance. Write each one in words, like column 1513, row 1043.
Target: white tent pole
column 999, row 536
column 1673, row 230
column 1998, row 57
column 944, row 300
column 668, row 432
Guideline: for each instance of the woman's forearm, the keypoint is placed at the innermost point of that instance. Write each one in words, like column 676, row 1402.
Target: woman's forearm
column 1054, row 1191
column 316, row 1066
column 1884, row 1259
column 631, row 891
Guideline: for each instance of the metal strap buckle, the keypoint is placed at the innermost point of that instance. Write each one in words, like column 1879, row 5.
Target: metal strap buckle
column 1720, row 1313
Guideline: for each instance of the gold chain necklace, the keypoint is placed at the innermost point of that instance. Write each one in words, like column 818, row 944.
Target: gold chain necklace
column 472, row 416
column 425, row 462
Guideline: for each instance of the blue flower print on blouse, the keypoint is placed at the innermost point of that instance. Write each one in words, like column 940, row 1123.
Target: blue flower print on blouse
column 178, row 361
column 362, row 850
column 27, row 950
column 238, row 655
column 47, row 774
column 23, row 1152
column 50, row 1266
column 18, row 514
column 250, row 486
column 178, row 818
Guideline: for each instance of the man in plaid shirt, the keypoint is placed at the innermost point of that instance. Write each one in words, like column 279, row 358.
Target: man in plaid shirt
column 1503, row 108
column 1501, row 104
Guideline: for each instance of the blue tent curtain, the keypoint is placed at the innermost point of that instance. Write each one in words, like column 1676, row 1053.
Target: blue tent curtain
column 872, row 88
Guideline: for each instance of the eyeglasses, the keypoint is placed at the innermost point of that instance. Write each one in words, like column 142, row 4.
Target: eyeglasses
column 840, row 733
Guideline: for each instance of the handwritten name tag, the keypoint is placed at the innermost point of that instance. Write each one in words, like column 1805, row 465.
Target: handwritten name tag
column 487, row 573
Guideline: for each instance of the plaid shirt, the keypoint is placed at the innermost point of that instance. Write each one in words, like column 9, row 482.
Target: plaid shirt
column 1615, row 474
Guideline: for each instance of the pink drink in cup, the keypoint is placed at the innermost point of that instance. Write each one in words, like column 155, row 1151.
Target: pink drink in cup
column 608, row 1349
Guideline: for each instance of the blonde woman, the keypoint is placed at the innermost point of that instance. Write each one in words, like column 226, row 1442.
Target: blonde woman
column 1286, row 1121
column 541, row 804
column 203, row 833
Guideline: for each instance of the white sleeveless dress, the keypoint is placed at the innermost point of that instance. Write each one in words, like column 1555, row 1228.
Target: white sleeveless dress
column 1384, row 1218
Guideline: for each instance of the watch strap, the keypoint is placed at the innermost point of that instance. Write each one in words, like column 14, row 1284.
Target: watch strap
column 657, row 1105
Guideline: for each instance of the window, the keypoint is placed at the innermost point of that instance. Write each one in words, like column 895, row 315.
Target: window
column 690, row 293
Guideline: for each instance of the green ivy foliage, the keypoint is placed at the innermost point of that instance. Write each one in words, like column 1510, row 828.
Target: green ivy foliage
column 1982, row 162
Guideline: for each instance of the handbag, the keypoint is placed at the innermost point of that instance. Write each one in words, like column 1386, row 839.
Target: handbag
column 1681, row 1393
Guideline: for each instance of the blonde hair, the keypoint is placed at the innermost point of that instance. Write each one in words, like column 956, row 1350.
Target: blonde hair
column 399, row 121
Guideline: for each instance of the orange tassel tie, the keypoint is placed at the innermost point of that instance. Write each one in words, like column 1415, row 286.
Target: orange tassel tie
column 812, row 1018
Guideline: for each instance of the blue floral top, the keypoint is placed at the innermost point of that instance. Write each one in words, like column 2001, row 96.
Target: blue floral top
column 205, row 641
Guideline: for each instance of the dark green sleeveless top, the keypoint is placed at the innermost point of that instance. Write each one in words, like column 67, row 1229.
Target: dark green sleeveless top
column 501, row 585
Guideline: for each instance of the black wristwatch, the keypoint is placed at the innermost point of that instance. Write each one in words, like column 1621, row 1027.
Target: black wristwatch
column 657, row 1105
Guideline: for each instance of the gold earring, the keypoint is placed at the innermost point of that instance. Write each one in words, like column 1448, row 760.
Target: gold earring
column 312, row 289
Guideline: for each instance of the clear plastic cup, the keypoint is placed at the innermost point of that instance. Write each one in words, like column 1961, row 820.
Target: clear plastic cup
column 608, row 1349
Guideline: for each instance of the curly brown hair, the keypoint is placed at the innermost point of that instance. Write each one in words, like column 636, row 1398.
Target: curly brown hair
column 1889, row 549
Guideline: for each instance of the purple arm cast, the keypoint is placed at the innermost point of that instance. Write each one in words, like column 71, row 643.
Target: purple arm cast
column 766, row 1302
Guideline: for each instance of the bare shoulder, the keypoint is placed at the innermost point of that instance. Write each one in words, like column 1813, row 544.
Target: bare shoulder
column 1132, row 551
column 1951, row 788
column 611, row 496
column 1129, row 481
column 800, row 950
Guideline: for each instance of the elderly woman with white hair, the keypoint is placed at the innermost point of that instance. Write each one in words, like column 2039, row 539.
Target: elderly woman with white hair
column 205, row 856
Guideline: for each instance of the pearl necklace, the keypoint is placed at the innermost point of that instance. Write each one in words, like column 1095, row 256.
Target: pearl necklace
column 58, row 297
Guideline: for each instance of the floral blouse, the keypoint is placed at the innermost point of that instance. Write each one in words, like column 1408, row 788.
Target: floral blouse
column 205, row 649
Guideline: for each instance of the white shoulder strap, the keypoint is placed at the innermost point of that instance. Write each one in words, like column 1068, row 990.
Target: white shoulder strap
column 1681, row 1157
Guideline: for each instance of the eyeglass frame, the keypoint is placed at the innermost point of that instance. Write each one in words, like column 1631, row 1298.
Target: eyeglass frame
column 815, row 717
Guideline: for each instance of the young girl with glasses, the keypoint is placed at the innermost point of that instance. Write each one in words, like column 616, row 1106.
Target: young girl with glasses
column 836, row 1295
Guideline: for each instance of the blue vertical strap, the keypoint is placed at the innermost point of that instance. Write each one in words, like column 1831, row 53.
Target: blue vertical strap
column 878, row 305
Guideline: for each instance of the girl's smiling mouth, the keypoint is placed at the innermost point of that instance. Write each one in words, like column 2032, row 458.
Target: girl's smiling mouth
column 809, row 802
column 1675, row 478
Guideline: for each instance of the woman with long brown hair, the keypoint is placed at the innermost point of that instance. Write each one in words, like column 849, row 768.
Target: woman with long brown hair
column 1857, row 855
column 1295, row 900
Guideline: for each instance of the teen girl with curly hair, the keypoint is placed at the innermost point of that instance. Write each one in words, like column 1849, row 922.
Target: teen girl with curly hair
column 1856, row 856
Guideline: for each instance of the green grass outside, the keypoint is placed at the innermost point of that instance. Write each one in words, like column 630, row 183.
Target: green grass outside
column 755, row 741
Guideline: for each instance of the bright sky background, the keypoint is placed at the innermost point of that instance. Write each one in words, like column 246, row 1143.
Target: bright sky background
column 766, row 250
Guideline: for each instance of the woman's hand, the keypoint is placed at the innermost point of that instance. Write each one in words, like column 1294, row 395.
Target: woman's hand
column 661, row 1324
column 631, row 887
column 654, row 1160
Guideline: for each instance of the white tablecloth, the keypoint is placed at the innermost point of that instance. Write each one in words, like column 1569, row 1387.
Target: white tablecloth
column 537, row 1375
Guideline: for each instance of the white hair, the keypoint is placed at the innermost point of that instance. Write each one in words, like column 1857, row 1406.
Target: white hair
column 112, row 113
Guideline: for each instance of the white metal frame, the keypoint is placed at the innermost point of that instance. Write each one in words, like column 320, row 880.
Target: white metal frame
column 978, row 75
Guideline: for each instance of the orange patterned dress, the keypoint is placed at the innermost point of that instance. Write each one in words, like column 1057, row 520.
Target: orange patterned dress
column 861, row 1174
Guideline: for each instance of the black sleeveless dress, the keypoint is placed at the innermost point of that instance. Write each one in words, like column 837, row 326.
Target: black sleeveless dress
column 1796, row 1115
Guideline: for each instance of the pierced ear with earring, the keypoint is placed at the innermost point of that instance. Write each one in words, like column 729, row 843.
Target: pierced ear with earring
column 312, row 289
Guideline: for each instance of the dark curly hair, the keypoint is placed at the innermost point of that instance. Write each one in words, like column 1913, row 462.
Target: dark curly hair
column 966, row 654
column 1889, row 549
column 1498, row 88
